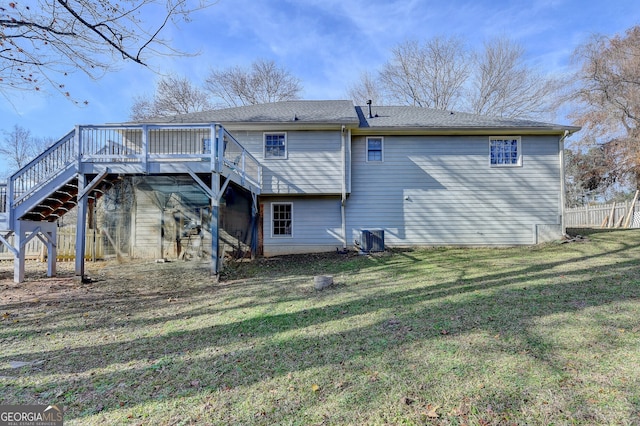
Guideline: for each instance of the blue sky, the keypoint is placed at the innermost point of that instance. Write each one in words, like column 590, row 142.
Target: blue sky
column 325, row 43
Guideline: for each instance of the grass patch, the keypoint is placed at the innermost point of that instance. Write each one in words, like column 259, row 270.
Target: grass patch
column 451, row 336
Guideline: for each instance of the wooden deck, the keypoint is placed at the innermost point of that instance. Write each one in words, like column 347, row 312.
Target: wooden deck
column 84, row 161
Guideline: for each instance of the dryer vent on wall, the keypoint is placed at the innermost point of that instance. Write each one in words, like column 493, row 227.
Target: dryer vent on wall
column 372, row 240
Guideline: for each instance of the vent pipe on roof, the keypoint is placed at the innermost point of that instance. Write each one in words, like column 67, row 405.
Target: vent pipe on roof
column 369, row 104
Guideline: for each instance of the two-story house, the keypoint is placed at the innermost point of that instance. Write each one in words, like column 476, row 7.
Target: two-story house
column 424, row 177
column 300, row 177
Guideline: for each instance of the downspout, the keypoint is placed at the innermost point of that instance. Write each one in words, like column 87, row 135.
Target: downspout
column 562, row 181
column 343, row 200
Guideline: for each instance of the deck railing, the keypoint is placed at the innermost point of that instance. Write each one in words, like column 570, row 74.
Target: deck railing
column 3, row 197
column 111, row 144
column 134, row 144
column 235, row 156
column 44, row 167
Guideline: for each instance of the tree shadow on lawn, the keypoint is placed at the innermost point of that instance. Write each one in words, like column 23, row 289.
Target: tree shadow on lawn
column 126, row 297
column 375, row 322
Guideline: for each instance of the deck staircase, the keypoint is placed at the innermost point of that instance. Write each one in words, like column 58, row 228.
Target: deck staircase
column 86, row 161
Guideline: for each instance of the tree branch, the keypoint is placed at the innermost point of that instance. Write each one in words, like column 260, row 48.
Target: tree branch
column 99, row 33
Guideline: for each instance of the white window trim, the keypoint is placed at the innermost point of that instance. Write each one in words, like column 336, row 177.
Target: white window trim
column 264, row 146
column 519, row 139
column 366, row 150
column 273, row 235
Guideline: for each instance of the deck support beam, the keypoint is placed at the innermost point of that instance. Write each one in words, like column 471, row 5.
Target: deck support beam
column 48, row 238
column 215, row 195
column 93, row 184
column 18, row 263
column 4, row 239
column 81, row 226
column 46, row 232
column 216, row 168
column 254, row 225
column 199, row 181
column 215, row 225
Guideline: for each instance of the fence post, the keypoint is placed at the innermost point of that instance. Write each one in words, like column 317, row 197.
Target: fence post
column 587, row 215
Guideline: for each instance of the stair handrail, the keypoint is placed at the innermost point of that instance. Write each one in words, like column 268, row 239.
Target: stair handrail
column 46, row 166
column 236, row 157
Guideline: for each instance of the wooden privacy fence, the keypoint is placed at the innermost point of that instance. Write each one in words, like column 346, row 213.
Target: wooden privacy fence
column 612, row 215
column 66, row 246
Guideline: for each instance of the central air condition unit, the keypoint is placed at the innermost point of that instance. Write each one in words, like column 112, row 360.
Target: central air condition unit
column 372, row 240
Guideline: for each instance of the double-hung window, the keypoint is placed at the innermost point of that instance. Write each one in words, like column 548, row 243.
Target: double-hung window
column 275, row 145
column 282, row 219
column 505, row 151
column 375, row 149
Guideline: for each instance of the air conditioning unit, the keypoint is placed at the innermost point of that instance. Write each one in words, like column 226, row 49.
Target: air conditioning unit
column 372, row 240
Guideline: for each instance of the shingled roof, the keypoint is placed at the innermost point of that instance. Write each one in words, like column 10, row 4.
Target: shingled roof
column 407, row 117
column 324, row 112
column 343, row 112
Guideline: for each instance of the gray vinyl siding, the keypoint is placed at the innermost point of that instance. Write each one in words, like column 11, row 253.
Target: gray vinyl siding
column 147, row 228
column 154, row 234
column 313, row 164
column 443, row 191
column 316, row 226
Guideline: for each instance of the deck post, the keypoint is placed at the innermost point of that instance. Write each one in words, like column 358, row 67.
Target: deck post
column 215, row 235
column 47, row 234
column 18, row 263
column 51, row 235
column 81, row 226
column 254, row 225
column 215, row 199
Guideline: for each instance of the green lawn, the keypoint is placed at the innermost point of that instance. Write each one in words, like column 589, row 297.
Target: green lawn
column 532, row 335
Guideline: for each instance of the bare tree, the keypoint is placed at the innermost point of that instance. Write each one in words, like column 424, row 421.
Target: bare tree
column 264, row 82
column 503, row 86
column 19, row 147
column 428, row 75
column 607, row 100
column 174, row 95
column 44, row 40
column 367, row 88
column 39, row 145
column 442, row 71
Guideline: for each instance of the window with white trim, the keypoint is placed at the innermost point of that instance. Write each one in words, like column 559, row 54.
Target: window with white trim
column 275, row 145
column 505, row 151
column 375, row 147
column 282, row 219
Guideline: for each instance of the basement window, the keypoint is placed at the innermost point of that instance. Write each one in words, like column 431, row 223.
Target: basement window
column 374, row 149
column 505, row 151
column 282, row 219
column 275, row 145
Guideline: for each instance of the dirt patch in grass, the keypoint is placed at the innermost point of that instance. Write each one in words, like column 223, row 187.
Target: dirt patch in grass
column 37, row 288
column 105, row 278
